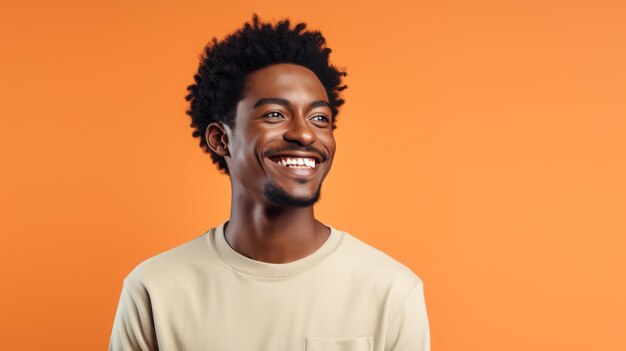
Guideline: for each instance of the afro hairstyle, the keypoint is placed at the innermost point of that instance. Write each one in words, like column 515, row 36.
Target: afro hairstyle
column 224, row 65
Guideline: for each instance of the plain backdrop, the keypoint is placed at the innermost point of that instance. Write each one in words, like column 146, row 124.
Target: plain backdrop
column 482, row 144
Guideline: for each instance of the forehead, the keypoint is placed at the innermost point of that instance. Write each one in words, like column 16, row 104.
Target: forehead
column 286, row 80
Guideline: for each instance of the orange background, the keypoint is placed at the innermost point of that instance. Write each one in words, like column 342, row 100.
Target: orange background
column 482, row 144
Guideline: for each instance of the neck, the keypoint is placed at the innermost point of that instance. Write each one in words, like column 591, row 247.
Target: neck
column 268, row 233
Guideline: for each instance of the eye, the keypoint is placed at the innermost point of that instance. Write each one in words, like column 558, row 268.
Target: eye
column 326, row 119
column 273, row 114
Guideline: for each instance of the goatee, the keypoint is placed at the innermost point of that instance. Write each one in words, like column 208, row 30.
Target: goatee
column 280, row 197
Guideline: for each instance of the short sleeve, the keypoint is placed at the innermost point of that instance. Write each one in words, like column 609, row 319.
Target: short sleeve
column 133, row 327
column 408, row 328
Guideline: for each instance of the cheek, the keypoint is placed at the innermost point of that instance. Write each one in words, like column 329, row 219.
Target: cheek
column 244, row 159
column 329, row 143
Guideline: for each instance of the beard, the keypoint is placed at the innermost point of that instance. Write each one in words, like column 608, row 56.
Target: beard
column 280, row 197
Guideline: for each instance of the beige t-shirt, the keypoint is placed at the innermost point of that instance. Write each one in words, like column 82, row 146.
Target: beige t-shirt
column 204, row 295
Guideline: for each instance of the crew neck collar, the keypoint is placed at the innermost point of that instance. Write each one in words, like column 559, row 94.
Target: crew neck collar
column 249, row 266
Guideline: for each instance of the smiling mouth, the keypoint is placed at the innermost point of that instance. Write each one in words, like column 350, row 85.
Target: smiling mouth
column 295, row 162
column 292, row 167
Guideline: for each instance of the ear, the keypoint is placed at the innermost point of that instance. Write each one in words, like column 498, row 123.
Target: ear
column 217, row 138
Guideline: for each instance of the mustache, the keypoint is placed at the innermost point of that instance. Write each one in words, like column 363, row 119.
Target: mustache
column 272, row 152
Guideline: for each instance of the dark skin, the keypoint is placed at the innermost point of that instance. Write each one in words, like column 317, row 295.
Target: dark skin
column 272, row 218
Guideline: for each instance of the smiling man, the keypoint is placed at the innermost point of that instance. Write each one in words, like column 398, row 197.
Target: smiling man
column 272, row 277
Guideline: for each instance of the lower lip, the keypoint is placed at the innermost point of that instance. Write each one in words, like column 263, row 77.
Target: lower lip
column 299, row 172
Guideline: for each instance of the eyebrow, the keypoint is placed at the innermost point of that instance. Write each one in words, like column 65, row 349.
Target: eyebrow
column 286, row 103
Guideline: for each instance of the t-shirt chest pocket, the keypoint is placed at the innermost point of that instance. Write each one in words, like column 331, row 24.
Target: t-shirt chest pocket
column 320, row 343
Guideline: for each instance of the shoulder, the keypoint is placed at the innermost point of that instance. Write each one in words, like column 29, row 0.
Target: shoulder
column 374, row 264
column 179, row 261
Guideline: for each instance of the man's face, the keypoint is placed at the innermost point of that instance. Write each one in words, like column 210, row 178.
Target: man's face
column 284, row 114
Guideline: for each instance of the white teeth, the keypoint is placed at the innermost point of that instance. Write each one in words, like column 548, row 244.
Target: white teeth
column 297, row 162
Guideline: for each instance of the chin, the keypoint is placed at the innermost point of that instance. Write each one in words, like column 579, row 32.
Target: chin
column 279, row 196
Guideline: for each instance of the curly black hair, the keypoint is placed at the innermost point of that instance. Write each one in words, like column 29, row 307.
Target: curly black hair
column 225, row 65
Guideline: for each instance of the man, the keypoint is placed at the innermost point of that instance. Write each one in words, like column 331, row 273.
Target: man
column 264, row 105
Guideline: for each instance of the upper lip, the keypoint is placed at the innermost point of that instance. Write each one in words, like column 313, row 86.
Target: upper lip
column 317, row 157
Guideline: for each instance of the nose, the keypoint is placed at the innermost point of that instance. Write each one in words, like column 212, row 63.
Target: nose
column 299, row 130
